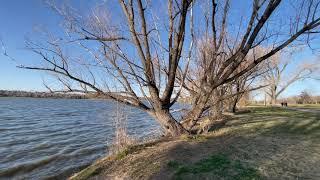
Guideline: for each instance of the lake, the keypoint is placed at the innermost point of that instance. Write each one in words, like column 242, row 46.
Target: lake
column 53, row 138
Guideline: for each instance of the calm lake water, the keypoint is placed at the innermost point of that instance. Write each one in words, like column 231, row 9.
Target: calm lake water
column 53, row 138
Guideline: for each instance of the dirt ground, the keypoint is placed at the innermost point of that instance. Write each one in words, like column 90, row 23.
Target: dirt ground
column 268, row 143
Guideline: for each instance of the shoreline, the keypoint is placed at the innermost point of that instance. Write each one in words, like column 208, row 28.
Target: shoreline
column 6, row 93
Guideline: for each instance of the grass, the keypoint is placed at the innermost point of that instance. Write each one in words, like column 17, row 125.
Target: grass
column 265, row 143
column 286, row 121
column 289, row 105
column 97, row 167
column 88, row 172
column 123, row 153
column 305, row 105
column 195, row 138
column 135, row 148
column 217, row 166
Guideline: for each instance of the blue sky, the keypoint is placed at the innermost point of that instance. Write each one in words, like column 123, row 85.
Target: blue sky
column 18, row 19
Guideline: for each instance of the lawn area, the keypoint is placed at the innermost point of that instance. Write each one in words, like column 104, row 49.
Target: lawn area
column 306, row 105
column 267, row 143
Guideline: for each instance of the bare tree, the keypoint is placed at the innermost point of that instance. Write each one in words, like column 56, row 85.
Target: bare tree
column 250, row 81
column 278, row 77
column 146, row 62
column 224, row 54
column 240, row 87
column 304, row 98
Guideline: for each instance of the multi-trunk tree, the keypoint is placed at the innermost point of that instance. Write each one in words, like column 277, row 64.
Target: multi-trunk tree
column 144, row 53
column 279, row 77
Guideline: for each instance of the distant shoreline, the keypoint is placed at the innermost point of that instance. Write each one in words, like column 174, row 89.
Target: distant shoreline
column 6, row 93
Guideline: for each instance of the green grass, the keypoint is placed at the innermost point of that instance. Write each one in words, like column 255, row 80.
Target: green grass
column 305, row 105
column 196, row 138
column 90, row 171
column 134, row 148
column 277, row 120
column 308, row 127
column 123, row 154
column 271, row 112
column 217, row 166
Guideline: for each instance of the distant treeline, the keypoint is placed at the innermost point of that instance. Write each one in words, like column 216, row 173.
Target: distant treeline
column 303, row 98
column 5, row 93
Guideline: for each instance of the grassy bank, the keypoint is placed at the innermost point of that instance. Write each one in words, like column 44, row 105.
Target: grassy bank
column 268, row 143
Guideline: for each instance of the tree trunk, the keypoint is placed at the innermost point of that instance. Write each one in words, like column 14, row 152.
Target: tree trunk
column 234, row 103
column 234, row 107
column 218, row 109
column 274, row 95
column 190, row 119
column 273, row 100
column 170, row 125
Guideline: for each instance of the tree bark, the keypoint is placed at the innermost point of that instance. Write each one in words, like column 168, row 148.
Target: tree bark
column 171, row 126
column 218, row 108
column 193, row 116
column 234, row 107
column 273, row 100
column 273, row 95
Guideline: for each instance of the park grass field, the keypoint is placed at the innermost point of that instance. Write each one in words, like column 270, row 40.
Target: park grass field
column 267, row 143
column 307, row 106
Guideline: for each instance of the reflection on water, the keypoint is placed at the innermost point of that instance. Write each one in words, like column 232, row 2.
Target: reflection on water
column 43, row 138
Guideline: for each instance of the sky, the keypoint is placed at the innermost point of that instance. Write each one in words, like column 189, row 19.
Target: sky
column 19, row 19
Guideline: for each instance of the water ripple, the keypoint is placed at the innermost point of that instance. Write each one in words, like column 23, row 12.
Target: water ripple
column 53, row 138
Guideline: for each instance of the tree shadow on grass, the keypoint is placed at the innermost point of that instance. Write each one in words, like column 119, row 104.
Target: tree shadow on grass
column 264, row 144
column 269, row 145
column 278, row 120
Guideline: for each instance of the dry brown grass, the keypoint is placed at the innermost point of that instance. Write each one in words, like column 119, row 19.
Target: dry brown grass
column 264, row 144
column 122, row 139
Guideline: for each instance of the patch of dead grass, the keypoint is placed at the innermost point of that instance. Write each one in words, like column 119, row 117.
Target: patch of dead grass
column 279, row 144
